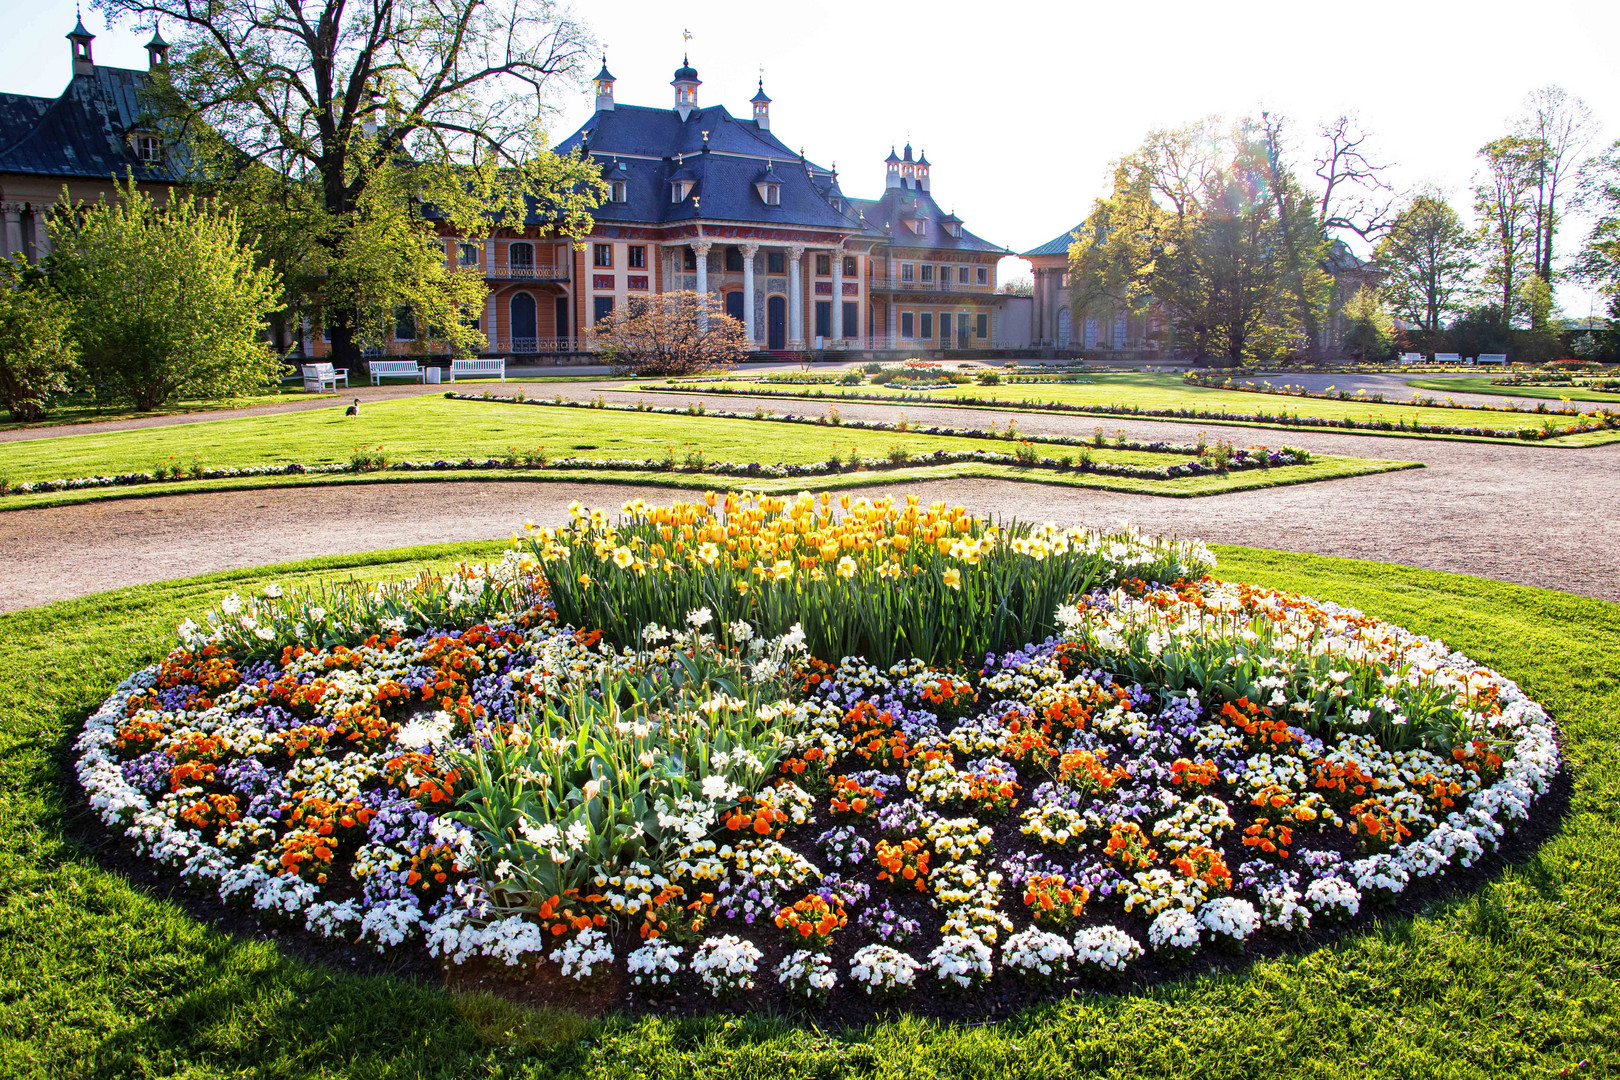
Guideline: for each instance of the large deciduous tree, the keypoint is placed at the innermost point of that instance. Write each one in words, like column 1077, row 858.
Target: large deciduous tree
column 1504, row 205
column 167, row 301
column 1428, row 255
column 384, row 120
column 1598, row 263
column 1556, row 129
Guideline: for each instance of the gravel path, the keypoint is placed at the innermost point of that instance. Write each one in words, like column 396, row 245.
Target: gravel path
column 1527, row 514
column 1396, row 391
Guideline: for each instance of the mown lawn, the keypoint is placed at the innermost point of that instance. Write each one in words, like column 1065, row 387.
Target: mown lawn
column 1482, row 384
column 1151, row 390
column 100, row 979
column 77, row 409
column 431, row 427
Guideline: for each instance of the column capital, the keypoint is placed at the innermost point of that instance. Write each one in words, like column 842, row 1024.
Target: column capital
column 702, row 247
column 12, row 207
column 750, row 249
column 797, row 250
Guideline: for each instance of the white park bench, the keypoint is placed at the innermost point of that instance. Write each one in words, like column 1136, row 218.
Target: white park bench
column 479, row 368
column 1411, row 358
column 1447, row 358
column 394, row 369
column 1493, row 358
column 317, row 377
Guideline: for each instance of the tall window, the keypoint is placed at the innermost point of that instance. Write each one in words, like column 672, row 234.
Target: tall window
column 823, row 265
column 601, row 254
column 619, row 191
column 688, row 258
column 908, row 272
column 851, row 269
column 637, row 254
column 734, row 259
column 983, row 273
column 776, row 262
column 467, row 254
column 928, row 279
column 981, row 328
column 603, row 307
column 925, row 324
column 945, row 277
column 907, row 324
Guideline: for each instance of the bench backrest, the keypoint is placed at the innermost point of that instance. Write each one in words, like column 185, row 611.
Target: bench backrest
column 1493, row 358
column 1411, row 357
column 319, row 371
column 478, row 365
column 395, row 365
column 1447, row 358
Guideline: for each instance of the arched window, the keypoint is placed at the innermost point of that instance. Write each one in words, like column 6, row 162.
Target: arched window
column 520, row 257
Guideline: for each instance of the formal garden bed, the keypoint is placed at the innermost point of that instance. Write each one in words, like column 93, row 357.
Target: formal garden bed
column 804, row 755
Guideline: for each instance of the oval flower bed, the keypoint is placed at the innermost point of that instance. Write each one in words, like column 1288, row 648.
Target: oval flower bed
column 790, row 752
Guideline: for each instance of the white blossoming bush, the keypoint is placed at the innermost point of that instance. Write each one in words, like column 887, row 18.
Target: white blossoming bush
column 1174, row 932
column 882, row 971
column 1107, row 948
column 1210, row 760
column 1037, row 956
column 656, row 965
column 808, row 975
column 726, row 965
column 1230, row 919
column 961, row 961
column 1333, row 898
column 583, row 954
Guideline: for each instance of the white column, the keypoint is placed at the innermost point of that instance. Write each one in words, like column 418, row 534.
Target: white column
column 748, row 252
column 491, row 330
column 835, row 325
column 13, row 241
column 701, row 250
column 795, row 297
column 489, row 256
column 891, row 316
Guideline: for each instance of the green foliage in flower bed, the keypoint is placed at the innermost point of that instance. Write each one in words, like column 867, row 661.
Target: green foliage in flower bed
column 99, row 978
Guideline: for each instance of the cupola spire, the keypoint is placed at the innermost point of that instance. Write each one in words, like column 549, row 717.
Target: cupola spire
column 83, row 60
column 604, row 87
column 157, row 50
column 762, row 106
column 686, row 83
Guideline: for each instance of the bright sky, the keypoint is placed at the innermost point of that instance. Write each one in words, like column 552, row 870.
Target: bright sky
column 1022, row 114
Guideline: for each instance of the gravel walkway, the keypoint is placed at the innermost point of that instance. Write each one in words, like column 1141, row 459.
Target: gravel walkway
column 1527, row 514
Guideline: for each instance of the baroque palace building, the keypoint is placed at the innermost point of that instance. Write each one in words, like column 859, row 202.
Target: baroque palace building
column 95, row 131
column 699, row 199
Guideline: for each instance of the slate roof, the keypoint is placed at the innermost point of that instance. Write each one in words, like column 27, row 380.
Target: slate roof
column 1058, row 245
column 81, row 134
column 886, row 216
column 650, row 147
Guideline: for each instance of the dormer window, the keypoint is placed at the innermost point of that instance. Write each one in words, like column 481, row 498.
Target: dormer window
column 619, row 191
column 147, row 150
column 679, row 190
column 770, row 192
column 919, row 226
column 953, row 227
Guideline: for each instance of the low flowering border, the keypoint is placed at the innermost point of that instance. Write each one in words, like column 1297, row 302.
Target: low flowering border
column 382, row 784
column 1603, row 420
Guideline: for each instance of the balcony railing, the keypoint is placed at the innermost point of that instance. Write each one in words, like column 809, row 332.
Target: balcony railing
column 886, row 284
column 533, row 345
column 528, row 272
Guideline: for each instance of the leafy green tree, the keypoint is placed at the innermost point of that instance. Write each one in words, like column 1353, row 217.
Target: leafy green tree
column 393, row 122
column 1369, row 332
column 1556, row 129
column 36, row 350
column 1428, row 255
column 1504, row 205
column 1598, row 263
column 1539, row 340
column 166, row 300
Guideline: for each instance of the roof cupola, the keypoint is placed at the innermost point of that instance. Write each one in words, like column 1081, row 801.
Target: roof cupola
column 686, row 83
column 762, row 106
column 922, row 171
column 157, row 51
column 891, row 170
column 604, row 88
column 83, row 60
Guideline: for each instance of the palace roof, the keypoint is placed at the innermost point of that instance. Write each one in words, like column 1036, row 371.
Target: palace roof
column 1058, row 245
column 83, row 133
column 887, row 216
column 649, row 148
